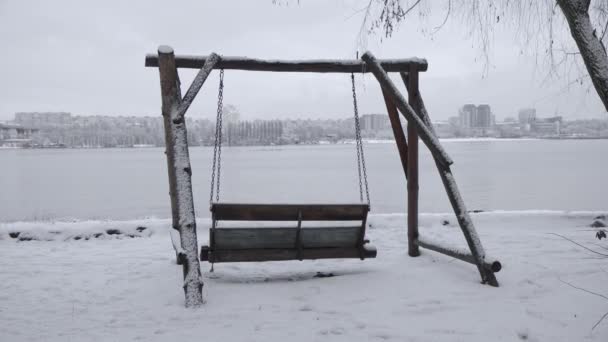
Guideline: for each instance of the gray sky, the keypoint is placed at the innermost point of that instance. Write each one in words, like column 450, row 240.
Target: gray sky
column 87, row 58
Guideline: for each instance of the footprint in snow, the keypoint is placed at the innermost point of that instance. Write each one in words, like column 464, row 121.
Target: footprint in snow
column 298, row 298
column 332, row 331
column 382, row 336
column 360, row 325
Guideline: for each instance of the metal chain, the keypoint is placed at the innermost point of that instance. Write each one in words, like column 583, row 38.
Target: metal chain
column 357, row 137
column 360, row 155
column 217, row 147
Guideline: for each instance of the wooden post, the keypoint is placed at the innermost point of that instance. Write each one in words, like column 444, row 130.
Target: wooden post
column 170, row 97
column 412, row 171
column 421, row 109
column 393, row 116
column 451, row 188
column 180, row 182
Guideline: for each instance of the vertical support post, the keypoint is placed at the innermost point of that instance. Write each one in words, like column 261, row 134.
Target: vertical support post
column 179, row 170
column 393, row 116
column 412, row 171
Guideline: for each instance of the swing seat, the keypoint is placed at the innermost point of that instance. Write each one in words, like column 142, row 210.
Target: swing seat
column 289, row 241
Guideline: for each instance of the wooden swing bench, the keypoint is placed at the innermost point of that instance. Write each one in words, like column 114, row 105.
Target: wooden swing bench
column 241, row 244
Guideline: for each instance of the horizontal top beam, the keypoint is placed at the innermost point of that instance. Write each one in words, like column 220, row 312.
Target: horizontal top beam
column 319, row 65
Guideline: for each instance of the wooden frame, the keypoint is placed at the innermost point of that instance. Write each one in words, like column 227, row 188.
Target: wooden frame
column 174, row 108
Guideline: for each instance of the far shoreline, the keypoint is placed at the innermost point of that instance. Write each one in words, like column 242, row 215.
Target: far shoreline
column 322, row 142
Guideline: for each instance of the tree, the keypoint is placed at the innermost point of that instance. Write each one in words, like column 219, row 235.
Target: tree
column 231, row 114
column 535, row 21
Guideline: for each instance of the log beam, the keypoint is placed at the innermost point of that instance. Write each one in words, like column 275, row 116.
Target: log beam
column 321, row 65
column 493, row 265
column 180, row 182
column 196, row 85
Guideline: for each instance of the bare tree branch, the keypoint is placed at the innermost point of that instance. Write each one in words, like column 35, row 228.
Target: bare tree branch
column 362, row 9
column 362, row 29
column 600, row 246
column 445, row 19
column 578, row 244
column 411, row 8
column 604, row 32
column 582, row 289
column 602, row 37
column 590, row 292
column 600, row 321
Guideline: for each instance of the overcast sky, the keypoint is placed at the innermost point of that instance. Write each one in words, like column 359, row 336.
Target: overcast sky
column 87, row 58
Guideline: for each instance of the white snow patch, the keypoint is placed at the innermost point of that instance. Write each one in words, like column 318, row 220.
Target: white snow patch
column 165, row 49
column 81, row 230
column 175, row 240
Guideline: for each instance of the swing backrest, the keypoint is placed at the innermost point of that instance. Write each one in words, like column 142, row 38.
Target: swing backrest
column 288, row 212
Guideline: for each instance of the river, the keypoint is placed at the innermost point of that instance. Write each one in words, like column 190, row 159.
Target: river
column 83, row 184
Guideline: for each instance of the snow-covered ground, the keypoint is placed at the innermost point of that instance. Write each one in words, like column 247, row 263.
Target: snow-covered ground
column 58, row 282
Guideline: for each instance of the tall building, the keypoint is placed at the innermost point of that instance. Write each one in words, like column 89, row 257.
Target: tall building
column 483, row 117
column 527, row 116
column 43, row 119
column 15, row 135
column 472, row 116
column 466, row 114
column 374, row 122
column 547, row 126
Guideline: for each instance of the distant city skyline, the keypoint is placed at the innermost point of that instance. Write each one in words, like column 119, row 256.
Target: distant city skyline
column 312, row 115
column 63, row 130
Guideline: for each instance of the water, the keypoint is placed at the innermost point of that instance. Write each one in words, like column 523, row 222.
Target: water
column 132, row 183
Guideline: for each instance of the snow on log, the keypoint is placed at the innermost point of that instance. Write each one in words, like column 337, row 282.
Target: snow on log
column 387, row 84
column 180, row 254
column 458, row 253
column 320, row 65
column 180, row 182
